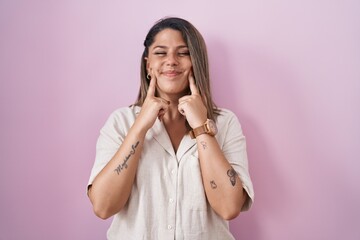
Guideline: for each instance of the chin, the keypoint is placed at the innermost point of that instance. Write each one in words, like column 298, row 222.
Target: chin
column 172, row 91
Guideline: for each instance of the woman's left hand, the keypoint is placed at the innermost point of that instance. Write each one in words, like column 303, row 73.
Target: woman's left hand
column 192, row 106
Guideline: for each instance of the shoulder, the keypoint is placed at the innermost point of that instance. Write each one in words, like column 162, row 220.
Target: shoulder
column 227, row 121
column 225, row 115
column 125, row 112
column 122, row 117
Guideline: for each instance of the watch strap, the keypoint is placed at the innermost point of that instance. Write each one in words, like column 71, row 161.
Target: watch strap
column 198, row 131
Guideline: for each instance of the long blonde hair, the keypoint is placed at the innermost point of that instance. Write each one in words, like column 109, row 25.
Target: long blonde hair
column 198, row 56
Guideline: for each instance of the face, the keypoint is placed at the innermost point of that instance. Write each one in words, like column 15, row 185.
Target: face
column 169, row 60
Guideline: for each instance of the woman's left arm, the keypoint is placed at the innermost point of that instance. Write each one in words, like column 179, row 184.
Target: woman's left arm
column 223, row 187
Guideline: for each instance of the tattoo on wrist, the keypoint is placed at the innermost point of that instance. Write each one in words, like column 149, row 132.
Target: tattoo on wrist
column 126, row 159
column 203, row 144
column 232, row 174
column 213, row 184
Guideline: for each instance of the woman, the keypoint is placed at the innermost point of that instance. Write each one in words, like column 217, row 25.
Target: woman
column 162, row 169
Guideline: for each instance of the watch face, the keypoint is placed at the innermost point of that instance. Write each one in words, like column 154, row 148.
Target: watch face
column 212, row 127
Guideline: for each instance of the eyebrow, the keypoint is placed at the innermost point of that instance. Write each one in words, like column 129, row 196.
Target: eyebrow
column 161, row 46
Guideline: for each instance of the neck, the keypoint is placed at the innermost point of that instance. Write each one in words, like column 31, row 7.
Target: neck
column 173, row 97
column 173, row 113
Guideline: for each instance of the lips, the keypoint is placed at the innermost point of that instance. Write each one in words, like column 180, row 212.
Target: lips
column 171, row 73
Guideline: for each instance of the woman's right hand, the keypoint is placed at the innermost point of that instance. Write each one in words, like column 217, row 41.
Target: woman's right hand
column 152, row 108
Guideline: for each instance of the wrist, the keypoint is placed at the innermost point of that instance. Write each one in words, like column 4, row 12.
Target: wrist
column 209, row 127
column 198, row 123
column 138, row 129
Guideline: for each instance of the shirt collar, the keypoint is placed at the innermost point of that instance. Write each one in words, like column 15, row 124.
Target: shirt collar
column 159, row 133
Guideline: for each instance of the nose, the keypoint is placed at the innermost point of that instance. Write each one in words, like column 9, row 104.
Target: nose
column 172, row 60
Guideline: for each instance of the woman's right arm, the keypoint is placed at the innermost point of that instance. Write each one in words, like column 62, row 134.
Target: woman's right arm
column 111, row 188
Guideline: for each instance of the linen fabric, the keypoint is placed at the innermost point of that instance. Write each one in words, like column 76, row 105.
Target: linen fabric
column 168, row 200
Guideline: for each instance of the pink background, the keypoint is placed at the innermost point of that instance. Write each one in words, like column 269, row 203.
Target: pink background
column 289, row 69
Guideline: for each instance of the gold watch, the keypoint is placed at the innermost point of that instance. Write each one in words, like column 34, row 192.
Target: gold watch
column 209, row 127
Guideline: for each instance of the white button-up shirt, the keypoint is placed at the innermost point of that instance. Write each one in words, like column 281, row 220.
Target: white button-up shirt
column 168, row 199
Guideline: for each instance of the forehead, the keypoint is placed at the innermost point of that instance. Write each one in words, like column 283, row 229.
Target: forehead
column 169, row 37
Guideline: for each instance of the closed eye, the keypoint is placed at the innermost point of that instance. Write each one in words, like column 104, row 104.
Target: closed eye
column 160, row 53
column 184, row 53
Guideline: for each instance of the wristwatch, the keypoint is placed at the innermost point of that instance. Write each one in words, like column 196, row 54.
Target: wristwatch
column 209, row 127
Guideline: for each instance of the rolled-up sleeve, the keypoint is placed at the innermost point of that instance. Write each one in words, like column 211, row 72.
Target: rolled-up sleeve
column 234, row 149
column 109, row 140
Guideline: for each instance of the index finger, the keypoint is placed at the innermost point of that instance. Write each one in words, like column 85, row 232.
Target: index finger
column 193, row 87
column 152, row 86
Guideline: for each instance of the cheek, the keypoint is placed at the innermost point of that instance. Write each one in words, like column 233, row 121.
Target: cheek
column 152, row 63
column 188, row 65
column 156, row 66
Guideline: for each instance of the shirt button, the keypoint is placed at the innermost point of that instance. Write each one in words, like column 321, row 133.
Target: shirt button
column 172, row 172
column 171, row 200
column 169, row 227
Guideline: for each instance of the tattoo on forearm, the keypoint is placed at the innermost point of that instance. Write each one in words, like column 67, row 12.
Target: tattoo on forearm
column 232, row 174
column 126, row 159
column 203, row 144
column 213, row 184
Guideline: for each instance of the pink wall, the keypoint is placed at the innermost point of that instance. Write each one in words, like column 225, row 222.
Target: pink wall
column 289, row 69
